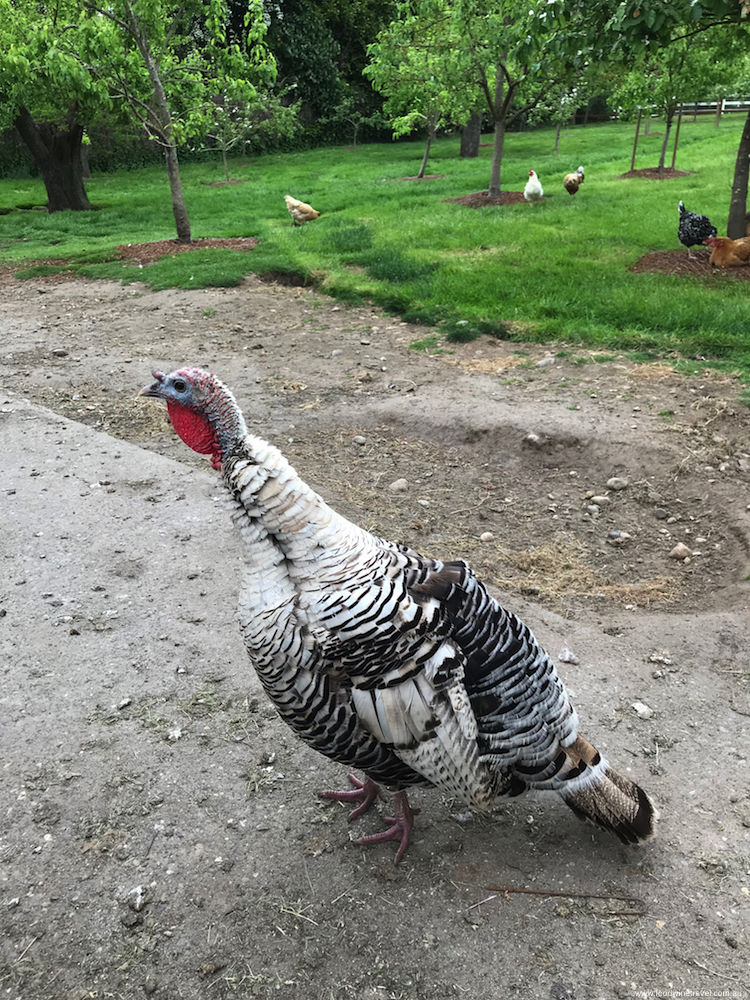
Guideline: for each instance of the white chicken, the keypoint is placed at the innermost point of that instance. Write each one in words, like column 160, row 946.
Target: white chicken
column 533, row 190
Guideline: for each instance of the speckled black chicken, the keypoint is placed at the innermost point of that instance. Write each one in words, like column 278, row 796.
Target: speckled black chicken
column 693, row 229
column 401, row 666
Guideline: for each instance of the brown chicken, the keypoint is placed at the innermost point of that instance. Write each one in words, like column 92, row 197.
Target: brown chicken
column 571, row 182
column 729, row 253
column 299, row 211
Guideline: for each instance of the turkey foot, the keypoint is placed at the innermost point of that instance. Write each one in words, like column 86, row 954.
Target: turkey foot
column 400, row 829
column 365, row 792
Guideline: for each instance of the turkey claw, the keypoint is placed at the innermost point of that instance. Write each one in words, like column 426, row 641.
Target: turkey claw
column 400, row 828
column 365, row 792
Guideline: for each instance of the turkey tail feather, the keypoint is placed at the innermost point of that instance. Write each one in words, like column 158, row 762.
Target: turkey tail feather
column 611, row 801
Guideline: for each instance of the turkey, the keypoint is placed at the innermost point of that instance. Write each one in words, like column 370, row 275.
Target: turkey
column 533, row 190
column 398, row 665
column 693, row 229
column 571, row 182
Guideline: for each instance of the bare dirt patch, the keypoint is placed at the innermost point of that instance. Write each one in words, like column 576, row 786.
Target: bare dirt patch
column 162, row 835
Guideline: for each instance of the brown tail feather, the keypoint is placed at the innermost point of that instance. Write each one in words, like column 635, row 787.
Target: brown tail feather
column 613, row 802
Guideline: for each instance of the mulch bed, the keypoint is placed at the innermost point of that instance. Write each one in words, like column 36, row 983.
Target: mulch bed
column 678, row 263
column 147, row 253
column 652, row 174
column 480, row 199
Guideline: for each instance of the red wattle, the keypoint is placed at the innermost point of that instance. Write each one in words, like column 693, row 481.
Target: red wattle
column 195, row 431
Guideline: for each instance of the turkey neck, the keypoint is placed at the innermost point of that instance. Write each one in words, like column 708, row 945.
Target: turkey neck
column 293, row 539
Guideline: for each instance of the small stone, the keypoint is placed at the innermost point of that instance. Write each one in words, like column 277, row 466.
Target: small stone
column 336, row 353
column 680, row 551
column 617, row 483
column 486, row 536
column 423, row 503
column 642, row 710
column 600, row 501
column 619, row 537
column 124, row 703
column 567, row 656
column 593, row 508
column 743, row 465
column 358, row 439
column 365, row 342
column 60, row 352
column 533, row 440
column 399, row 486
column 545, row 362
column 660, row 514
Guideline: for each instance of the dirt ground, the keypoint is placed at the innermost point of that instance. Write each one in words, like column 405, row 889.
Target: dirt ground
column 162, row 836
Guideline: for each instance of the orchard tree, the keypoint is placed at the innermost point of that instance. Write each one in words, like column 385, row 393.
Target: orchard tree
column 48, row 94
column 155, row 61
column 510, row 51
column 417, row 65
column 687, row 69
column 646, row 24
column 163, row 61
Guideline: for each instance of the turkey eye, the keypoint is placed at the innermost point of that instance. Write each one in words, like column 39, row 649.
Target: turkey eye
column 179, row 385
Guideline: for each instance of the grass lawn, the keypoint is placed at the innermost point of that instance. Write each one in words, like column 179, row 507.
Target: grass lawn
column 557, row 270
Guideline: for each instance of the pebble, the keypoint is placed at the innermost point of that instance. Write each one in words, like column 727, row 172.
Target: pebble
column 617, row 483
column 533, row 439
column 642, row 710
column 743, row 464
column 593, row 508
column 545, row 362
column 399, row 486
column 486, row 536
column 567, row 656
column 619, row 536
column 358, row 439
column 660, row 514
column 600, row 501
column 335, row 354
column 680, row 551
column 423, row 503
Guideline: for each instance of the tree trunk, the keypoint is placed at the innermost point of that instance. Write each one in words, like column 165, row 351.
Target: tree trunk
column 557, row 137
column 178, row 199
column 719, row 107
column 58, row 156
column 664, row 145
column 635, row 141
column 738, row 203
column 164, row 129
column 586, row 112
column 226, row 166
column 430, row 137
column 676, row 137
column 497, row 159
column 471, row 135
column 499, row 115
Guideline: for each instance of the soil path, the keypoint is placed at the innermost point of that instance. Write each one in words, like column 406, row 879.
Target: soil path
column 161, row 834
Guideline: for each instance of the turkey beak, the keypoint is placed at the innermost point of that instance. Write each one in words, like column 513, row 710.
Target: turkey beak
column 155, row 390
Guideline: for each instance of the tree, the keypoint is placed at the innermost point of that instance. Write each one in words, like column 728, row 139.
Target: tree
column 419, row 68
column 512, row 52
column 152, row 60
column 640, row 25
column 237, row 124
column 685, row 70
column 48, row 95
column 182, row 57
